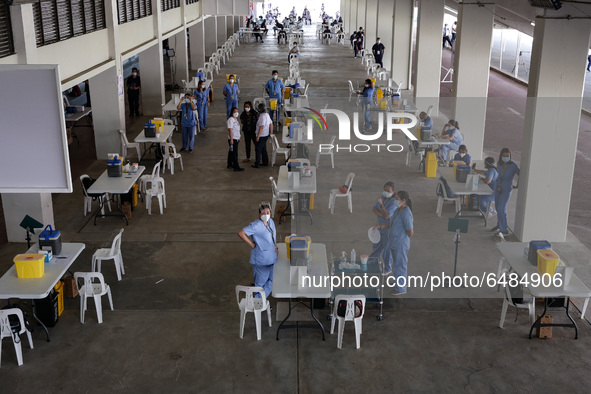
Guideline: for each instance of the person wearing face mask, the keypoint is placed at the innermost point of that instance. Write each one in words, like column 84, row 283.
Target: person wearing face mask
column 263, row 247
column 384, row 208
column 489, row 176
column 264, row 128
column 202, row 99
column 451, row 132
column 233, row 140
column 133, row 93
column 274, row 89
column 358, row 46
column 463, row 155
column 367, row 94
column 248, row 118
column 378, row 52
column 188, row 122
column 231, row 92
column 401, row 230
column 507, row 170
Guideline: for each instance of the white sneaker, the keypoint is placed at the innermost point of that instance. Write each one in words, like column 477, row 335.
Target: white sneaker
column 397, row 293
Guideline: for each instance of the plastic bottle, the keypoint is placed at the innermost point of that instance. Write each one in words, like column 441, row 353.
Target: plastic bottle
column 232, row 148
column 353, row 256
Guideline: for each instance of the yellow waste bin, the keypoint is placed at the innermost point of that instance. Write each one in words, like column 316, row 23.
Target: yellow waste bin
column 380, row 93
column 286, row 93
column 430, row 165
column 273, row 104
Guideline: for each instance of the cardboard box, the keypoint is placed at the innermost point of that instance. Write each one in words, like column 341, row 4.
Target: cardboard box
column 278, row 210
column 70, row 288
column 126, row 208
column 544, row 332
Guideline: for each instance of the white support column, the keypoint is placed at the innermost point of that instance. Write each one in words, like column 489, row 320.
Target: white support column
column 211, row 37
column 384, row 30
column 428, row 54
column 152, row 70
column 197, row 45
column 371, row 23
column 345, row 14
column 221, row 31
column 229, row 26
column 181, row 60
column 39, row 206
column 353, row 26
column 107, row 93
column 471, row 69
column 401, row 54
column 23, row 29
column 237, row 19
column 552, row 117
column 361, row 17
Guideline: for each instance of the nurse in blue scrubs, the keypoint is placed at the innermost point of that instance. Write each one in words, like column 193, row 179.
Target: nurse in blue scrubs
column 231, row 92
column 263, row 244
column 507, row 170
column 384, row 210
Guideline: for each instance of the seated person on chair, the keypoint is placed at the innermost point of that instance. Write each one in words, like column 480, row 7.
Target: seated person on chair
column 451, row 132
column 489, row 176
column 463, row 155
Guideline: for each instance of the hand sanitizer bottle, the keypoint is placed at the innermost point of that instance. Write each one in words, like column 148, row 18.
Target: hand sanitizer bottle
column 353, row 256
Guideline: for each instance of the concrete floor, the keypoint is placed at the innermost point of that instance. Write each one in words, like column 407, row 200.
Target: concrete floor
column 181, row 334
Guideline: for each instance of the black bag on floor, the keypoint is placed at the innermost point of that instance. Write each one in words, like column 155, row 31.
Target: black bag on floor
column 47, row 309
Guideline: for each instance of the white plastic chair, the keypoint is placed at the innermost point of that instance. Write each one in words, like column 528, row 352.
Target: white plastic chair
column 251, row 304
column 429, row 110
column 383, row 75
column 129, row 145
column 155, row 189
column 257, row 101
column 352, row 313
column 221, row 54
column 444, row 197
column 89, row 198
column 169, row 153
column 305, row 94
column 412, row 151
column 91, row 288
column 277, row 149
column 6, row 332
column 528, row 302
column 112, row 253
column 282, row 197
column 334, row 193
column 144, row 179
column 329, row 153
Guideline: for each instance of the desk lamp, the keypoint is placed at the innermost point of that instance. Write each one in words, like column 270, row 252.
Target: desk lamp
column 30, row 225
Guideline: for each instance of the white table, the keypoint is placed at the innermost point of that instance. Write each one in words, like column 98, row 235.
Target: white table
column 299, row 135
column 513, row 254
column 72, row 119
column 290, row 81
column 165, row 134
column 38, row 288
column 460, row 188
column 307, row 185
column 412, row 108
column 170, row 106
column 283, row 287
column 287, row 107
column 114, row 185
column 194, row 82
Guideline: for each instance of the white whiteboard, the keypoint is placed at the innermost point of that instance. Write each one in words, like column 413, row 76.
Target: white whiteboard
column 34, row 156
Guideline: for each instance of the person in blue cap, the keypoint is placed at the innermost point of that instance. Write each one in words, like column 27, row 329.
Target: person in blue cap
column 507, row 170
column 384, row 210
column 263, row 245
column 274, row 89
column 231, row 92
column 202, row 101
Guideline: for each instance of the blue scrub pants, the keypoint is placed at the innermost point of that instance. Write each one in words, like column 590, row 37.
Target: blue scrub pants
column 446, row 148
column 229, row 105
column 381, row 249
column 366, row 106
column 202, row 112
column 188, row 136
column 501, row 201
column 263, row 277
column 400, row 254
column 484, row 200
column 275, row 114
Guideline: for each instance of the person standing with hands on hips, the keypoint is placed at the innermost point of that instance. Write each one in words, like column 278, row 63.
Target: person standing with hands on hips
column 202, row 98
column 188, row 122
column 263, row 247
column 507, row 170
column 378, row 52
column 401, row 230
column 231, row 92
column 384, row 210
column 133, row 93
column 274, row 89
column 233, row 140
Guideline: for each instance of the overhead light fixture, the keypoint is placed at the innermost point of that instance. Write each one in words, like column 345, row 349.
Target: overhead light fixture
column 533, row 23
column 556, row 4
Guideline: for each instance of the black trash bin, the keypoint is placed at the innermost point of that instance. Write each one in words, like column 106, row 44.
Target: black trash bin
column 46, row 309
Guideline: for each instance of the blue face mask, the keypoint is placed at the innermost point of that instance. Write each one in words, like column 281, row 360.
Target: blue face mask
column 187, row 101
column 397, row 203
column 506, row 159
column 387, row 195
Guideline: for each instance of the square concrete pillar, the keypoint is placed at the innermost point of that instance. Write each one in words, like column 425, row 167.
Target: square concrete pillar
column 371, row 23
column 211, row 37
column 221, row 31
column 553, row 111
column 400, row 55
column 151, row 70
column 39, row 206
column 197, row 45
column 181, row 59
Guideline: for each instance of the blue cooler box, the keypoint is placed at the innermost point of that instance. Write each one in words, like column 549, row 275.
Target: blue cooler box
column 534, row 246
column 51, row 237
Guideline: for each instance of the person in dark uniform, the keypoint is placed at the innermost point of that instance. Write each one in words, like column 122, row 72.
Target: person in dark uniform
column 133, row 93
column 378, row 52
column 248, row 119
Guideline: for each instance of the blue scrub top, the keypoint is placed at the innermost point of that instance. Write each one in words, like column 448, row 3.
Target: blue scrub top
column 187, row 115
column 231, row 91
column 506, row 175
column 466, row 159
column 491, row 174
column 201, row 97
column 275, row 89
column 427, row 124
column 265, row 239
column 401, row 222
column 391, row 205
column 457, row 137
